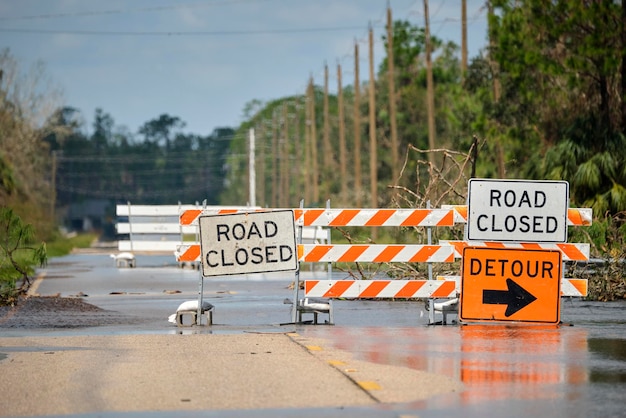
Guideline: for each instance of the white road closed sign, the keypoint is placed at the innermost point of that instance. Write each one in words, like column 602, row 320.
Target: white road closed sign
column 517, row 210
column 255, row 242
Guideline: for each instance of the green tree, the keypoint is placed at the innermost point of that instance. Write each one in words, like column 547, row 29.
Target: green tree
column 26, row 103
column 560, row 66
column 17, row 255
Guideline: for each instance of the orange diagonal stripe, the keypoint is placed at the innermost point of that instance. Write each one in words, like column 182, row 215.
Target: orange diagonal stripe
column 415, row 218
column 388, row 253
column 424, row 254
column 353, row 253
column 572, row 252
column 447, row 220
column 344, row 217
column 300, row 251
column 458, row 246
column 409, row 289
column 317, row 253
column 310, row 215
column 444, row 290
column 531, row 246
column 309, row 285
column 338, row 289
column 374, row 288
column 580, row 285
column 461, row 210
column 574, row 216
column 380, row 217
column 192, row 253
column 189, row 216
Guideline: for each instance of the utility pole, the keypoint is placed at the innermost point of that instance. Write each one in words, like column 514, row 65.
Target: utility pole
column 316, row 176
column 372, row 124
column 495, row 73
column 430, row 89
column 53, row 191
column 263, row 137
column 342, row 140
column 395, row 169
column 308, row 172
column 275, row 160
column 284, row 164
column 357, row 129
column 463, row 40
column 297, row 169
column 251, row 169
column 328, row 153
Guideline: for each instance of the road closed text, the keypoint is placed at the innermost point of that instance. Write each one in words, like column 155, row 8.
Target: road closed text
column 517, row 211
column 517, row 222
column 254, row 255
column 248, row 243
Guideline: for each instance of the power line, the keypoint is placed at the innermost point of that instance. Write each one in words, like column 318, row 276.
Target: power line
column 179, row 33
column 123, row 11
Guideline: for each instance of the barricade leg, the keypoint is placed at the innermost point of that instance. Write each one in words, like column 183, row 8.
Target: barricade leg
column 316, row 307
column 181, row 314
column 194, row 317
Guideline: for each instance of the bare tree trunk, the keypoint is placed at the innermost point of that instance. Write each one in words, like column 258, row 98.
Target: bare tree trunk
column 316, row 176
column 395, row 165
column 285, row 159
column 372, row 123
column 357, row 129
column 342, row 140
column 430, row 93
column 275, row 160
column 623, row 127
column 308, row 163
column 261, row 140
column 328, row 153
column 463, row 40
column 495, row 71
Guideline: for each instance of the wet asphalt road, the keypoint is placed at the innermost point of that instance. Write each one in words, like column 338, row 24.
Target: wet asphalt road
column 575, row 370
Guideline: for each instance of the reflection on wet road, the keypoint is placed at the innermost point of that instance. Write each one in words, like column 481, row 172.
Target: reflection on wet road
column 508, row 370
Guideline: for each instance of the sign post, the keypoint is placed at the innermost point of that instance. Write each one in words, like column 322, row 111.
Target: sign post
column 519, row 285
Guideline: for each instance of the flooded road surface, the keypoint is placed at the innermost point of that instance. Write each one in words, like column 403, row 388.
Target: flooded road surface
column 521, row 371
column 577, row 369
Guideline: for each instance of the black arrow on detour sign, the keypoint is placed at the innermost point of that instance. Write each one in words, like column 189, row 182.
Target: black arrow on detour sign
column 515, row 297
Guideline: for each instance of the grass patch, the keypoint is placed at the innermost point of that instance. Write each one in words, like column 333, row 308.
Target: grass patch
column 63, row 246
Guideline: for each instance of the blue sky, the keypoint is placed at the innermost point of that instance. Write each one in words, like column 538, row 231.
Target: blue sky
column 203, row 60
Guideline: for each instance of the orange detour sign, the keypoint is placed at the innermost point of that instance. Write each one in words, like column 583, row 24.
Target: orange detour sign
column 519, row 285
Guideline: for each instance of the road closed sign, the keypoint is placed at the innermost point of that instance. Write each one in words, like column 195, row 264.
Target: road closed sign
column 517, row 210
column 499, row 284
column 242, row 243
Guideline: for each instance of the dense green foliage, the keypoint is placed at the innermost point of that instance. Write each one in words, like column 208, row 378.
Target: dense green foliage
column 18, row 254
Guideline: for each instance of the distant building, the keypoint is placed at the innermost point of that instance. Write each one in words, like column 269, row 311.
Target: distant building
column 91, row 215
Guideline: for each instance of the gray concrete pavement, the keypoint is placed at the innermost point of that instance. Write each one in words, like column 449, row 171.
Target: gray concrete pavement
column 128, row 373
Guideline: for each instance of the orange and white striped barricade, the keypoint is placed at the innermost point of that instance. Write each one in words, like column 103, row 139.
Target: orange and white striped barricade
column 575, row 216
column 375, row 253
column 343, row 217
column 570, row 251
column 569, row 287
